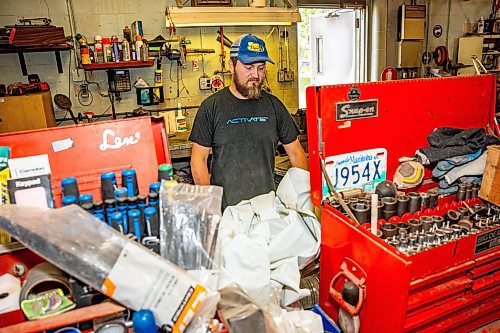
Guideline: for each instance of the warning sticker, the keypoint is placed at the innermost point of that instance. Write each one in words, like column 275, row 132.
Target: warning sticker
column 487, row 241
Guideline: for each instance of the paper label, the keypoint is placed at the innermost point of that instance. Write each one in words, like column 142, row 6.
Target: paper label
column 142, row 280
column 30, row 166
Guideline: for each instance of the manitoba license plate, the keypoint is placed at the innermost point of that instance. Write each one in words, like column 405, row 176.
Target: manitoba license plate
column 361, row 169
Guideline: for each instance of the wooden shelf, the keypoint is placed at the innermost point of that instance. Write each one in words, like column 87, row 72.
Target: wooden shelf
column 232, row 16
column 4, row 49
column 485, row 36
column 117, row 65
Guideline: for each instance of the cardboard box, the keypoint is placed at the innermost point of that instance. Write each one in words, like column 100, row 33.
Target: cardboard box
column 490, row 187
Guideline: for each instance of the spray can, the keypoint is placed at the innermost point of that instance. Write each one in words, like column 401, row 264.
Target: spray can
column 133, row 52
column 480, row 25
column 180, row 120
column 108, row 53
column 99, row 52
column 116, row 51
column 138, row 47
column 84, row 53
column 125, row 50
column 144, row 52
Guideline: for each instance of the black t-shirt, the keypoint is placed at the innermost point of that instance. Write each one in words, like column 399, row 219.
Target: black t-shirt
column 243, row 134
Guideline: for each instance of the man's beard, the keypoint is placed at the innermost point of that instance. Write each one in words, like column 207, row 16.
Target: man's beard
column 250, row 92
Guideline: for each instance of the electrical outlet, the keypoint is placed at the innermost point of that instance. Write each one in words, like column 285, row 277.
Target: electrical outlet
column 205, row 83
column 285, row 75
column 289, row 76
column 281, row 75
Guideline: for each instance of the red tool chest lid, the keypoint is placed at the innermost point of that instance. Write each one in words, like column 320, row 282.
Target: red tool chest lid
column 85, row 151
column 393, row 115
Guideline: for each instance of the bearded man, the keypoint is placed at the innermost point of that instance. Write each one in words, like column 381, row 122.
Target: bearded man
column 243, row 124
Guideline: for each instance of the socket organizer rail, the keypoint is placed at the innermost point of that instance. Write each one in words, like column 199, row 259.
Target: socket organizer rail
column 434, row 283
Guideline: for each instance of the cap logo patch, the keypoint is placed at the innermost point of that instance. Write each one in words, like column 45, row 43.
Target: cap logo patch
column 255, row 47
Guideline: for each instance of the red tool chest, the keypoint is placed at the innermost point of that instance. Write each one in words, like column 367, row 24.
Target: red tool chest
column 85, row 151
column 450, row 288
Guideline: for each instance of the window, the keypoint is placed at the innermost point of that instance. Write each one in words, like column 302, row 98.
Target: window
column 330, row 48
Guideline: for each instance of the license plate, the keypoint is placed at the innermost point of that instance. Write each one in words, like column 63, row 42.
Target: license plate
column 361, row 169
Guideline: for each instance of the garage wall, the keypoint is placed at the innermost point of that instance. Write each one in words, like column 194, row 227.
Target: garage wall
column 108, row 17
column 452, row 13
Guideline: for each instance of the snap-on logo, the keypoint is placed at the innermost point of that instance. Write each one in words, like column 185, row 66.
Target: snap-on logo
column 111, row 141
column 28, row 183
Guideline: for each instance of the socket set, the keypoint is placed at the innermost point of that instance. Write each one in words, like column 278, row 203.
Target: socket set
column 429, row 231
column 415, row 222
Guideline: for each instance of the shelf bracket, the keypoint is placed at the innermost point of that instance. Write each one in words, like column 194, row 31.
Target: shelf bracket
column 24, row 69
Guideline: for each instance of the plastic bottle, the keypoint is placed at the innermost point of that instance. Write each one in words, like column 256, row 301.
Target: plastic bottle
column 106, row 45
column 116, row 51
column 180, row 120
column 126, row 34
column 133, row 53
column 138, row 47
column 125, row 50
column 158, row 73
column 84, row 53
column 480, row 25
column 99, row 52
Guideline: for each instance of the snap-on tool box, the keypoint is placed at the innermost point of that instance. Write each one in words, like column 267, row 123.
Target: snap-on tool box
column 449, row 288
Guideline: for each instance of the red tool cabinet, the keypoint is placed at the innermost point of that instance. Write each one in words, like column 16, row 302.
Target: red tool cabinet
column 85, row 151
column 449, row 288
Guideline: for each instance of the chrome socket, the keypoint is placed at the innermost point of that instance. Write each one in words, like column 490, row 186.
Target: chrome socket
column 415, row 225
column 438, row 221
column 415, row 202
column 427, row 222
column 433, row 198
column 403, row 203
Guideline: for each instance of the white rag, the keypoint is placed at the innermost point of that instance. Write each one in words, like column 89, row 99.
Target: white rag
column 266, row 240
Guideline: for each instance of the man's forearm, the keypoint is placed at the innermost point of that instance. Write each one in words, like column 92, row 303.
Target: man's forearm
column 200, row 173
column 297, row 155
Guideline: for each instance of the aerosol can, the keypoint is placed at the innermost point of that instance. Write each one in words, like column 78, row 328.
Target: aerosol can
column 125, row 50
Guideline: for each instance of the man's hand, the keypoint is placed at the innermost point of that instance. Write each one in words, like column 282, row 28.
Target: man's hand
column 297, row 155
column 199, row 168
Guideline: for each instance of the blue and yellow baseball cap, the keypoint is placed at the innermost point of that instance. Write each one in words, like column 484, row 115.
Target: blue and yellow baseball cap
column 249, row 49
